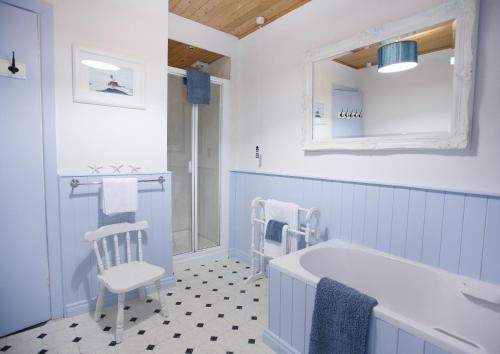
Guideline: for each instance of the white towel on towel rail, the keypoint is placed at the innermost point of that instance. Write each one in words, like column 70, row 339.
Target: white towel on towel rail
column 283, row 212
column 119, row 195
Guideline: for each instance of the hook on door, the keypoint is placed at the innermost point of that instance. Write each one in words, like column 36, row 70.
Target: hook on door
column 13, row 68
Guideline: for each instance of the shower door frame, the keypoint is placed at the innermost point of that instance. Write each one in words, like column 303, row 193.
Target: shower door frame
column 223, row 173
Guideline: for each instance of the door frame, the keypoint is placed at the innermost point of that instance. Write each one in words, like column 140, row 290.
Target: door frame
column 224, row 191
column 46, row 35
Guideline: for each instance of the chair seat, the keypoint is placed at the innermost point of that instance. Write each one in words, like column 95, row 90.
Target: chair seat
column 130, row 276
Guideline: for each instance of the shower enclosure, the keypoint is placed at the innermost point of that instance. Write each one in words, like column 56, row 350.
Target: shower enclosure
column 194, row 160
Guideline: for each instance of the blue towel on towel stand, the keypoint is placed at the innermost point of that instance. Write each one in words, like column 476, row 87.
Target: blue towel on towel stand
column 274, row 230
column 341, row 319
column 198, row 87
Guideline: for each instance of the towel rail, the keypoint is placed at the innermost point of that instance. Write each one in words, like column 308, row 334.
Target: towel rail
column 309, row 230
column 75, row 182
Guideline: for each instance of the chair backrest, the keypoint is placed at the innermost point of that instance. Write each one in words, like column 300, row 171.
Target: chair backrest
column 115, row 230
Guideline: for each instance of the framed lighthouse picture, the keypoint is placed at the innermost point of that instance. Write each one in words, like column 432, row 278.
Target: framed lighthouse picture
column 107, row 79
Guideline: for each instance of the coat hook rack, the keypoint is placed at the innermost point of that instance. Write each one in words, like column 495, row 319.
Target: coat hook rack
column 350, row 113
column 13, row 68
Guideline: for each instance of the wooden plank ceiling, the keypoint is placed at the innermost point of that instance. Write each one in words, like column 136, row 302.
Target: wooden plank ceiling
column 430, row 40
column 181, row 55
column 236, row 17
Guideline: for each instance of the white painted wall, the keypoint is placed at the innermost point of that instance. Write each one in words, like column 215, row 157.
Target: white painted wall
column 269, row 105
column 91, row 134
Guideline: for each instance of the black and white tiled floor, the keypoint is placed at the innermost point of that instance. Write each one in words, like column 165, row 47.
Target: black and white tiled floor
column 211, row 311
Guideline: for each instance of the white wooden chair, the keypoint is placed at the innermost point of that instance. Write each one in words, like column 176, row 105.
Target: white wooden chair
column 123, row 277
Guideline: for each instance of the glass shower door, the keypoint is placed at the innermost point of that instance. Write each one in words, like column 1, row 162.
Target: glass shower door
column 193, row 159
column 207, row 176
column 180, row 164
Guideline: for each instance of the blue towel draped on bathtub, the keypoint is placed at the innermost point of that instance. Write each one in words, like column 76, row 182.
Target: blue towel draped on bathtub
column 274, row 230
column 340, row 319
column 198, row 87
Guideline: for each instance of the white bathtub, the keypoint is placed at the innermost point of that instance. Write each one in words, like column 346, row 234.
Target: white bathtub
column 456, row 313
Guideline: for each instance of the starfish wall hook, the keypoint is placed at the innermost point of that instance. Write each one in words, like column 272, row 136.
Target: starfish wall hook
column 94, row 168
column 134, row 168
column 116, row 168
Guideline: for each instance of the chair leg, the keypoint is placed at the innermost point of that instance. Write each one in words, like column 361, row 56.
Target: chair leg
column 99, row 303
column 161, row 299
column 119, row 318
column 142, row 293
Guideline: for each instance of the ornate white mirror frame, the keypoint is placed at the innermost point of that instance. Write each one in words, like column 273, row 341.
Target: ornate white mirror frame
column 465, row 12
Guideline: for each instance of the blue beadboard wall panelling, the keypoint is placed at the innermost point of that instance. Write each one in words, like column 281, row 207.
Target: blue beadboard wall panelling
column 299, row 293
column 409, row 344
column 326, row 208
column 490, row 270
column 274, row 300
column 384, row 224
column 451, row 234
column 386, row 338
column 457, row 232
column 399, row 221
column 415, row 225
column 432, row 349
column 358, row 214
column 347, row 200
column 286, row 308
column 472, row 236
column 433, row 224
column 80, row 212
column 371, row 216
column 310, row 296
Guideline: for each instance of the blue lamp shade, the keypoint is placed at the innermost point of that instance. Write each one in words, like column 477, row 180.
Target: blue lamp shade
column 397, row 56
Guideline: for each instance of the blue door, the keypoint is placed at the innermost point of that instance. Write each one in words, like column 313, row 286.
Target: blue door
column 24, row 282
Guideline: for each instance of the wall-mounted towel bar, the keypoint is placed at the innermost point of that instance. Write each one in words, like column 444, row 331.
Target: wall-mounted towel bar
column 75, row 182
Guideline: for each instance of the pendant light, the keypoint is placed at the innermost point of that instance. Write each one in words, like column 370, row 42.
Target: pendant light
column 397, row 56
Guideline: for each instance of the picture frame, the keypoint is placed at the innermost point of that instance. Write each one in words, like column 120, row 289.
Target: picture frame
column 107, row 79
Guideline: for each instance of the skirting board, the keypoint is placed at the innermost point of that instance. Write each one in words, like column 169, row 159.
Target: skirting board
column 183, row 261
column 277, row 344
column 242, row 256
column 77, row 308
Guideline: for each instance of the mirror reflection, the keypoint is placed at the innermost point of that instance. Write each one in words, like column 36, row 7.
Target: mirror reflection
column 399, row 86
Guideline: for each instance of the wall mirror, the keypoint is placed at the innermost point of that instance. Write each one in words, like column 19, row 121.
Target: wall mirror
column 403, row 85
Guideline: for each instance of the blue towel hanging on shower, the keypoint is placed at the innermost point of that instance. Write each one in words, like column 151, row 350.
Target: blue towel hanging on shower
column 198, row 87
